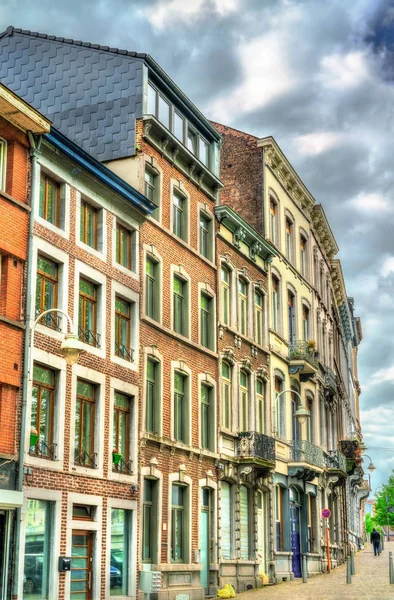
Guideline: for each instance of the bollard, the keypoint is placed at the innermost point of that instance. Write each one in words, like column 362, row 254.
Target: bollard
column 304, row 570
column 348, row 570
column 382, row 539
column 391, row 572
column 353, row 566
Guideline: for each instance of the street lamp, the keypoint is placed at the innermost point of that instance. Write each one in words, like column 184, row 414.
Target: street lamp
column 362, row 448
column 302, row 413
column 71, row 347
column 371, row 467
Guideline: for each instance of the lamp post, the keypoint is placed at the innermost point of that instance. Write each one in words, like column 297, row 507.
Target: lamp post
column 302, row 413
column 371, row 468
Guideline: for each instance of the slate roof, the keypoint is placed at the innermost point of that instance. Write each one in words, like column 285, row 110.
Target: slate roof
column 91, row 93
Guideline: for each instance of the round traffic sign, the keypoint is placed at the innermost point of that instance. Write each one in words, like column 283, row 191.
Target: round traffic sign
column 326, row 513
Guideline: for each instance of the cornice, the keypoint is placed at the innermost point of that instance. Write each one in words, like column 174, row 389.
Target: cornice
column 323, row 232
column 291, row 181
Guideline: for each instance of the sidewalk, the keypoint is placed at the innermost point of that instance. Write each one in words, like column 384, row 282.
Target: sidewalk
column 370, row 582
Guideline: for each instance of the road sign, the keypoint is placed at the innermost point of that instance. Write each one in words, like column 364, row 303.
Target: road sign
column 326, row 513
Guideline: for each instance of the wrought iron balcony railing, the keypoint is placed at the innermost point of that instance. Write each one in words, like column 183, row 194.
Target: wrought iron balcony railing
column 85, row 459
column 89, row 337
column 125, row 467
column 52, row 320
column 330, row 379
column 43, row 450
column 301, row 351
column 124, row 352
column 306, row 452
column 349, row 448
column 256, row 445
column 335, row 460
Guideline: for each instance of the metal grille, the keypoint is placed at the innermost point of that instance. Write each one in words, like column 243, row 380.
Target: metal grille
column 301, row 351
column 304, row 451
column 256, row 445
column 51, row 320
column 330, row 379
column 349, row 448
column 89, row 337
column 123, row 352
column 43, row 450
column 123, row 467
column 85, row 459
column 336, row 460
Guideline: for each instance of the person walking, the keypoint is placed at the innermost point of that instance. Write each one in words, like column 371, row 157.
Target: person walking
column 375, row 541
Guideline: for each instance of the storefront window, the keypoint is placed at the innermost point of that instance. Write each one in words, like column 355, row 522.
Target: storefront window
column 37, row 549
column 120, row 532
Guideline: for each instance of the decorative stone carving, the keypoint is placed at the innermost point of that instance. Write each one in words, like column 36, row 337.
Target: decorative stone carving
column 255, row 249
column 238, row 236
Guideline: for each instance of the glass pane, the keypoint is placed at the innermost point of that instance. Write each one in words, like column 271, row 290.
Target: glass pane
column 192, row 141
column 43, row 375
column 148, row 490
column 37, row 549
column 42, row 198
column 164, row 112
column 177, row 495
column 204, row 152
column 226, row 370
column 151, row 100
column 119, row 552
column 178, row 286
column 226, row 519
column 87, row 427
column 147, row 532
column 178, row 126
column 49, row 295
column 179, row 383
column 151, row 367
column 52, row 202
column 46, row 266
column 122, row 435
column 88, row 288
column 85, row 389
column 45, row 416
column 122, row 401
column 122, row 306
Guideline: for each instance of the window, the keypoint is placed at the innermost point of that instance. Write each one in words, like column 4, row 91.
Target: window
column 152, row 99
column 227, row 520
column 149, row 521
column 192, row 141
column 242, row 306
column 42, row 412
column 38, row 551
column 278, row 518
column 46, row 291
column 152, row 412
column 3, row 157
column 207, row 330
column 85, row 424
column 310, row 509
column 258, row 318
column 87, row 317
column 49, row 208
column 244, row 521
column 316, row 270
column 121, row 529
column 291, row 315
column 123, row 246
column 295, row 424
column 179, row 126
column 150, row 184
column 243, row 401
column 280, row 409
column 226, row 395
column 88, row 225
column 310, row 423
column 121, row 433
column 152, row 291
column 205, row 236
column 204, row 152
column 180, row 323
column 122, row 329
column 322, row 284
column 207, row 418
column 305, row 323
column 275, row 303
column 273, row 220
column 178, row 524
column 179, row 216
column 225, row 295
column 303, row 256
column 260, row 405
column 164, row 111
column 83, row 512
column 180, row 408
column 289, row 239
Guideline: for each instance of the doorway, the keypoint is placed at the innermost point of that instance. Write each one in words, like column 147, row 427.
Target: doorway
column 261, row 532
column 205, row 528
column 81, row 565
column 295, row 532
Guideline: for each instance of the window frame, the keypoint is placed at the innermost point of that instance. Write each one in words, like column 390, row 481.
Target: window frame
column 259, row 332
column 180, row 214
column 122, row 350
column 289, row 237
column 207, row 333
column 155, row 197
column 260, row 406
column 205, row 216
column 227, row 383
column 243, row 304
column 120, row 231
column 244, row 401
column 117, row 410
column 52, row 389
column 48, row 180
column 185, row 507
column 156, row 394
column 180, row 275
column 225, row 286
column 276, row 302
column 83, row 235
column 84, row 298
column 152, row 522
column 3, row 164
column 304, row 255
column 51, row 320
column 81, row 400
column 279, row 518
column 274, row 219
column 207, row 417
column 180, row 408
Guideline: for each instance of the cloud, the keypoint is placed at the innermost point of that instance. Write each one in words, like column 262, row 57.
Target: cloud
column 317, row 142
column 166, row 13
column 344, row 71
column 371, row 202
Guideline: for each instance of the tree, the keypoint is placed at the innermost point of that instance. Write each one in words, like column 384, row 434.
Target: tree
column 369, row 523
column 385, row 503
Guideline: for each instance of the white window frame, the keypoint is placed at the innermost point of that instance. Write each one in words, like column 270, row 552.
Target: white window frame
column 134, row 271
column 176, row 270
column 3, row 163
column 118, row 289
column 60, row 175
column 100, row 280
column 123, row 387
column 101, row 251
column 182, row 368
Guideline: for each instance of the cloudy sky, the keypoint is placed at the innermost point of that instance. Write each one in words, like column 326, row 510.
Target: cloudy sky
column 319, row 76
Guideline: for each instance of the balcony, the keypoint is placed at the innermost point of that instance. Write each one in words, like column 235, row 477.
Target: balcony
column 330, row 382
column 307, row 453
column 335, row 461
column 303, row 359
column 349, row 448
column 256, row 447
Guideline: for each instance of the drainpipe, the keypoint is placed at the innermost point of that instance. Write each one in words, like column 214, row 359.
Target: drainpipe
column 35, row 144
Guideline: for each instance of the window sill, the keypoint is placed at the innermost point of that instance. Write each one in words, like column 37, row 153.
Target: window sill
column 178, row 337
column 43, row 463
column 58, row 230
column 97, row 253
column 127, row 364
column 179, row 445
column 125, row 270
column 100, row 352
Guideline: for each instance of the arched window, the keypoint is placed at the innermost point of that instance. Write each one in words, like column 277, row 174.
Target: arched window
column 273, row 221
column 242, row 306
column 260, row 406
column 225, row 295
column 291, row 316
column 306, row 334
column 275, row 305
column 278, row 518
column 227, row 396
column 258, row 318
column 280, row 408
column 243, row 401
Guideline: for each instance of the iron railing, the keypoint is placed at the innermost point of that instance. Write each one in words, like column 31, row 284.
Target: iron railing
column 335, row 460
column 301, row 351
column 256, row 445
column 43, row 450
column 89, row 337
column 85, row 459
column 123, row 466
column 52, row 320
column 330, row 379
column 124, row 352
column 349, row 448
column 304, row 451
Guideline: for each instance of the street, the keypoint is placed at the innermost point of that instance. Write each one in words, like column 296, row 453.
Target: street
column 370, row 582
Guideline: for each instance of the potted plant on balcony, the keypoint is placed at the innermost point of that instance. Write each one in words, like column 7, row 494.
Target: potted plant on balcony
column 311, row 345
column 33, row 436
column 116, row 456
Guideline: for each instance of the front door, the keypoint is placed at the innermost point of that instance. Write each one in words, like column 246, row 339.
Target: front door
column 205, row 527
column 81, row 565
column 295, row 538
column 260, row 532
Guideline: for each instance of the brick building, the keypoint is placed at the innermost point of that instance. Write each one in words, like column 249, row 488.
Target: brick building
column 16, row 119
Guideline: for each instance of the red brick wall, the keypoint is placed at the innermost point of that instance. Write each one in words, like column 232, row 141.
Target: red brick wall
column 241, row 171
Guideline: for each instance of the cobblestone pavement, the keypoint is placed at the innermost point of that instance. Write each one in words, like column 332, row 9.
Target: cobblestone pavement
column 370, row 582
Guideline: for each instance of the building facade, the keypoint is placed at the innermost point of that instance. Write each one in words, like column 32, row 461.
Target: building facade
column 16, row 119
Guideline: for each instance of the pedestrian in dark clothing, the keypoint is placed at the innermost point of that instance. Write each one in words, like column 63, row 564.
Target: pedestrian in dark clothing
column 375, row 540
